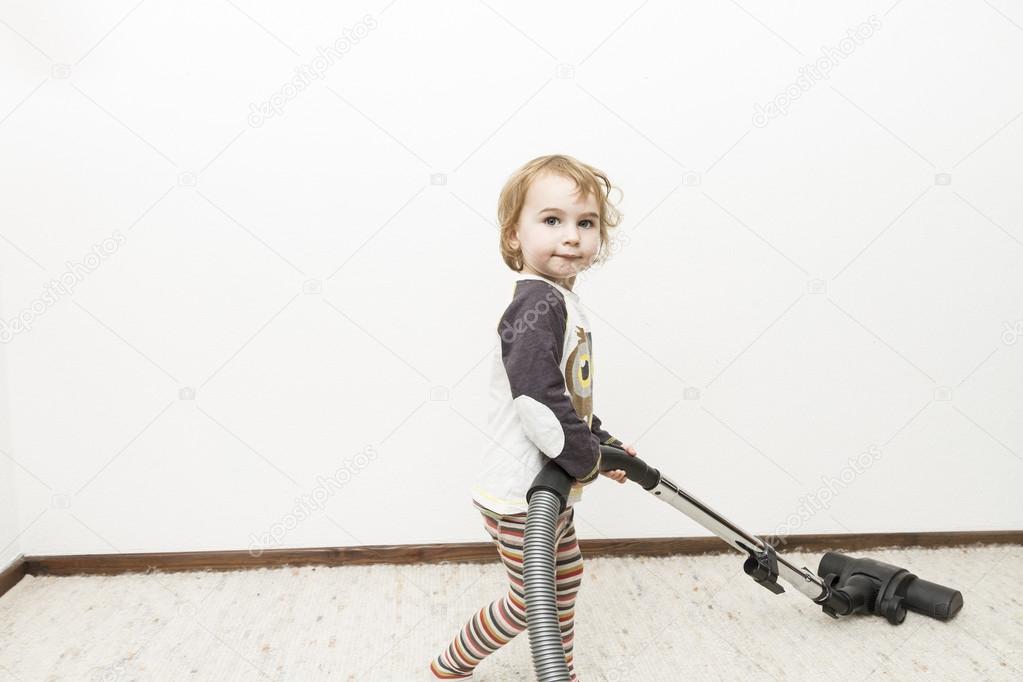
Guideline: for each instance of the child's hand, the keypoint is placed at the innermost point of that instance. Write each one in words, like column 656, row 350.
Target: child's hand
column 618, row 474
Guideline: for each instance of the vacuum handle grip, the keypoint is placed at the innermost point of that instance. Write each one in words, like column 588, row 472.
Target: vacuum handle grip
column 552, row 477
column 613, row 457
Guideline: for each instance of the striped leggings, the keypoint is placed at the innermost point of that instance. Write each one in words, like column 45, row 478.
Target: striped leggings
column 495, row 625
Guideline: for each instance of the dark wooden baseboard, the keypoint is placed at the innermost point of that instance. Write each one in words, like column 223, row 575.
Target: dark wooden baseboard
column 113, row 564
column 12, row 575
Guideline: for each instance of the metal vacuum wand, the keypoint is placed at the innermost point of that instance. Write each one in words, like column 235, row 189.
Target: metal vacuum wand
column 843, row 585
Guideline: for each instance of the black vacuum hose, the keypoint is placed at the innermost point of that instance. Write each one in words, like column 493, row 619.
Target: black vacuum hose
column 547, row 498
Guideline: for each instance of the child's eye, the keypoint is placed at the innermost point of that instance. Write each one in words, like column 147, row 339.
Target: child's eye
column 583, row 223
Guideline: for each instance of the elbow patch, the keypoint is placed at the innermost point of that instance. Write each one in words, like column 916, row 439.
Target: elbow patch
column 541, row 425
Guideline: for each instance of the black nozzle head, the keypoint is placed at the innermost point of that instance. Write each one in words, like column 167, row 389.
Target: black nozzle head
column 886, row 590
column 931, row 599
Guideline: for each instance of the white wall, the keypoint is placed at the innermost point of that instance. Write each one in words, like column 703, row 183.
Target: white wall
column 282, row 294
column 10, row 528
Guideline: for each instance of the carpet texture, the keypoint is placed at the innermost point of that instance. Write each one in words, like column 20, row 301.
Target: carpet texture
column 674, row 618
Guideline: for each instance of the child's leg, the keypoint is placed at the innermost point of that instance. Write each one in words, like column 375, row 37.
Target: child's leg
column 497, row 624
column 569, row 576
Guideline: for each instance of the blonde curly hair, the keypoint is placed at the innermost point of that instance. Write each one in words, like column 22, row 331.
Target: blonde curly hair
column 591, row 181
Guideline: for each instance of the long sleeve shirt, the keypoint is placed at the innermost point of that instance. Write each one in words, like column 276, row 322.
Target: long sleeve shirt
column 541, row 397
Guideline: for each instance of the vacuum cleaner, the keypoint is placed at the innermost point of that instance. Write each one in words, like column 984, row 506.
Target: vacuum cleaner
column 844, row 585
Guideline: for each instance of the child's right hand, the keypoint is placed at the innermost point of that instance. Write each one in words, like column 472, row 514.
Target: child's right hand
column 618, row 474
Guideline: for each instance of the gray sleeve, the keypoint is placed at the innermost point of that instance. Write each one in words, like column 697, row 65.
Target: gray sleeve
column 532, row 332
column 603, row 436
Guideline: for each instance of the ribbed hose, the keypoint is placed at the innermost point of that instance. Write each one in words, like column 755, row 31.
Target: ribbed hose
column 546, row 497
column 539, row 558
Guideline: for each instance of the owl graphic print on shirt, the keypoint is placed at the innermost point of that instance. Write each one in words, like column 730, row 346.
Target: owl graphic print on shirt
column 578, row 378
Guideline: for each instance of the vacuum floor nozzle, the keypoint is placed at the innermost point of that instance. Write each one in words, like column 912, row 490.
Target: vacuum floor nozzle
column 870, row 586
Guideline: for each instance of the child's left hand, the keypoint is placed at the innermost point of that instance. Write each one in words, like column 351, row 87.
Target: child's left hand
column 618, row 474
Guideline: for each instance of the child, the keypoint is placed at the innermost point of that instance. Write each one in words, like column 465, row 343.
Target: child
column 554, row 214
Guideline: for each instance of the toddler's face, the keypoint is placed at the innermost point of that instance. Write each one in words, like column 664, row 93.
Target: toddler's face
column 559, row 229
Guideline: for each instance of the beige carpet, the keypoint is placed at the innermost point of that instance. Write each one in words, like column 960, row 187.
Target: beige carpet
column 697, row 618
